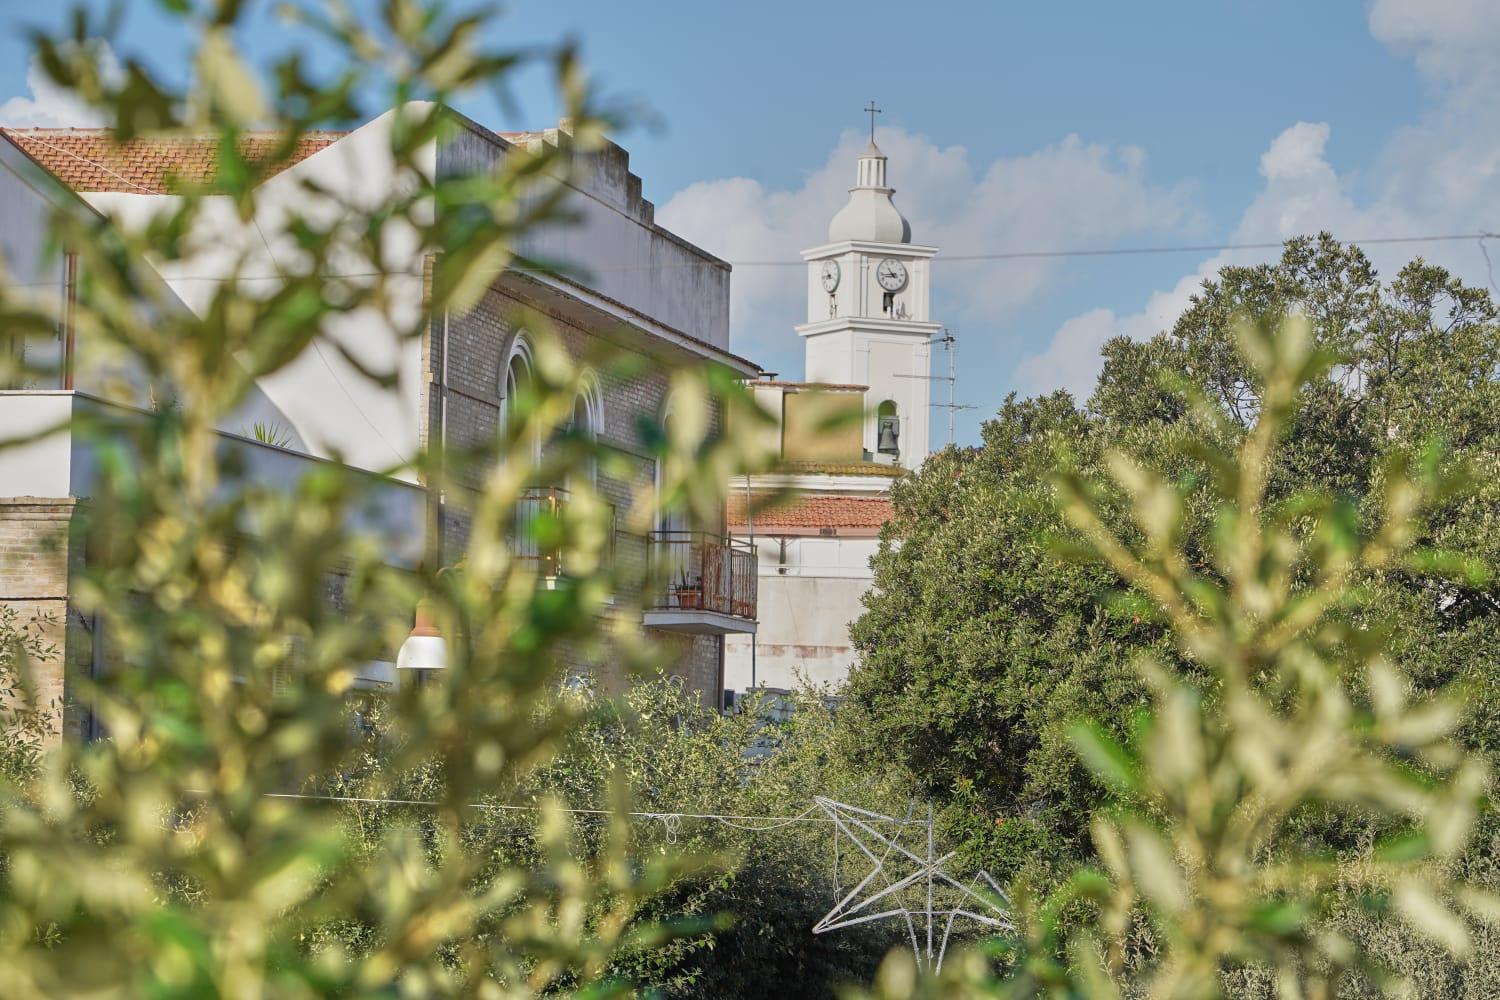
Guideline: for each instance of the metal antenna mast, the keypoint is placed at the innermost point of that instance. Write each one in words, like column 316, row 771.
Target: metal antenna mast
column 950, row 343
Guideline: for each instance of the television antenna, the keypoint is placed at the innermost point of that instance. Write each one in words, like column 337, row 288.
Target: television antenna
column 950, row 344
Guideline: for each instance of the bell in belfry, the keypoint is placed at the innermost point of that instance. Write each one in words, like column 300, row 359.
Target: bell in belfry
column 888, row 436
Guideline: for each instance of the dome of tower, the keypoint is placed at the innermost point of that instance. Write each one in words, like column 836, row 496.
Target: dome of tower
column 870, row 216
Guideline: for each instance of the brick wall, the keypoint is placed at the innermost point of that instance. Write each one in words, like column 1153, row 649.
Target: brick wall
column 480, row 343
column 35, row 563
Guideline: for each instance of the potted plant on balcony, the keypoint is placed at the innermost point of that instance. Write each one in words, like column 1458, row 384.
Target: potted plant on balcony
column 689, row 594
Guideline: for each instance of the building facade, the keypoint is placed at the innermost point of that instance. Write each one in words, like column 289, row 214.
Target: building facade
column 859, row 421
column 642, row 290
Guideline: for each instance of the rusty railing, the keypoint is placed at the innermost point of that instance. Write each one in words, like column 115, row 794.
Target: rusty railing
column 698, row 571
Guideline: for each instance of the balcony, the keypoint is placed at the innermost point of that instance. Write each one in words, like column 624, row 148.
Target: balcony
column 708, row 584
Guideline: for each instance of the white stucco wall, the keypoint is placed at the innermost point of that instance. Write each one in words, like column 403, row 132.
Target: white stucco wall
column 613, row 244
column 52, row 461
column 30, row 198
column 35, row 445
column 331, row 410
column 894, row 363
column 807, row 604
column 35, row 271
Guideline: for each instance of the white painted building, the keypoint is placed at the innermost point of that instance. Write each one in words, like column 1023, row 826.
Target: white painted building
column 633, row 287
column 867, row 342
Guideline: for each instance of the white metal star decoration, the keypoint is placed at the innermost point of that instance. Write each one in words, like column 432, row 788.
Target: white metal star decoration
column 907, row 886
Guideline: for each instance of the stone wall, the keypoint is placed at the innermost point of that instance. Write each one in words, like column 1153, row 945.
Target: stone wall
column 36, row 557
column 480, row 343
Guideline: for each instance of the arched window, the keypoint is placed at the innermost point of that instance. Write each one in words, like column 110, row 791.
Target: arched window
column 587, row 419
column 515, row 387
column 677, row 520
column 887, row 429
column 672, row 562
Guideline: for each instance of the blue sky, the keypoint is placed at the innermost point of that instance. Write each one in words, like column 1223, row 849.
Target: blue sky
column 1019, row 127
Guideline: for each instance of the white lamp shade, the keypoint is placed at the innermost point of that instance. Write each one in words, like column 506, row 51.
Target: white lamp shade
column 423, row 652
column 425, row 648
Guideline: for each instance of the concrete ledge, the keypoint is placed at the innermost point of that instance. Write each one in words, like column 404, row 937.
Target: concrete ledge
column 37, row 508
column 698, row 622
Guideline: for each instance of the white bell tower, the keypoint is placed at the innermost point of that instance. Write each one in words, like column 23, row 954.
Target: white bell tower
column 867, row 314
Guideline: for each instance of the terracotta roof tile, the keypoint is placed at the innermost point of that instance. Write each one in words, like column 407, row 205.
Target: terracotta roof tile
column 814, row 511
column 88, row 159
column 807, row 468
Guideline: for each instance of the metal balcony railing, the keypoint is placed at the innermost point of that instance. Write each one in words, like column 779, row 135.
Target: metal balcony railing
column 703, row 572
column 549, row 559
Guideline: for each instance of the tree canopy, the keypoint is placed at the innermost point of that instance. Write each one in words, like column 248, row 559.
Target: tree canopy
column 979, row 647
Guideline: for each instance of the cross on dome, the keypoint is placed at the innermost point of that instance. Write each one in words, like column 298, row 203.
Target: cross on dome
column 870, row 215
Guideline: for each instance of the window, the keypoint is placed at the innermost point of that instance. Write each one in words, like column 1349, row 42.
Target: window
column 517, row 385
column 675, row 520
column 585, row 422
column 516, row 381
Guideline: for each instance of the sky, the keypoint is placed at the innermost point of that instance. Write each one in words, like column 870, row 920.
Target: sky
column 1009, row 127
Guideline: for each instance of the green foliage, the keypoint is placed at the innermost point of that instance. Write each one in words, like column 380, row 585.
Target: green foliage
column 777, row 877
column 742, row 926
column 1268, row 592
column 980, row 648
column 165, row 860
column 27, row 723
column 273, row 433
column 1294, row 708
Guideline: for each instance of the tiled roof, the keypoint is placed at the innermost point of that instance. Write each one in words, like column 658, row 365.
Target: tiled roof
column 799, row 468
column 814, row 511
column 88, row 159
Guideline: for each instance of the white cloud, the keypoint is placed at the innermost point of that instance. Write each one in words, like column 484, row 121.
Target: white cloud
column 1071, row 192
column 48, row 105
column 1453, row 40
column 1436, row 177
column 1071, row 360
column 1080, row 337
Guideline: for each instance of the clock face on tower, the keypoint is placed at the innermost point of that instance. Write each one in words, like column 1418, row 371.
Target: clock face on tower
column 830, row 275
column 891, row 274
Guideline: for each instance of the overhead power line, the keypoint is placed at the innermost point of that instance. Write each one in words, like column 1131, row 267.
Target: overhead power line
column 949, row 258
column 735, row 820
column 1489, row 267
column 1001, row 255
column 946, row 258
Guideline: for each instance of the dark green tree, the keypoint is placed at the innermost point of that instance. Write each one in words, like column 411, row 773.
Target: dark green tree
column 980, row 645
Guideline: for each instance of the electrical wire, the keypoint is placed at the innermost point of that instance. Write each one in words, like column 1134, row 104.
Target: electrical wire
column 735, row 820
column 1004, row 255
column 93, row 163
column 946, row 258
column 1189, row 248
column 1489, row 268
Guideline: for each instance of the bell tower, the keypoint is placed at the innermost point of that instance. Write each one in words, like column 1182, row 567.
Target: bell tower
column 868, row 319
